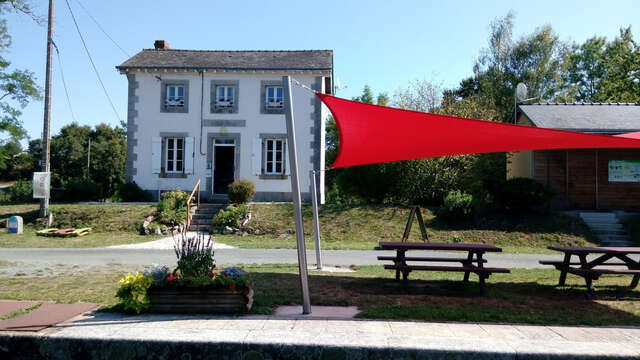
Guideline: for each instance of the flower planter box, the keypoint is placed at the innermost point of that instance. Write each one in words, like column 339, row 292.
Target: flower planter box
column 203, row 300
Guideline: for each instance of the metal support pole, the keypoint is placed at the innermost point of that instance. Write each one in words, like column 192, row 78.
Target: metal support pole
column 89, row 160
column 295, row 194
column 44, row 203
column 316, row 219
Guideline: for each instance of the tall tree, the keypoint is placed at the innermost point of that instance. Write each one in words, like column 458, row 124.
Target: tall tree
column 621, row 60
column 585, row 70
column 17, row 87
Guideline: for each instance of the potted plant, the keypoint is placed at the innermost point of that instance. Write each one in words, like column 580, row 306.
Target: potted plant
column 194, row 286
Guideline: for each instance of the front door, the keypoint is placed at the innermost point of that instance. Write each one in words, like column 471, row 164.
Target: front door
column 223, row 168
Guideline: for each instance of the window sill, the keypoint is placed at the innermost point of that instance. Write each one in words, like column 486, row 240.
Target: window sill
column 273, row 177
column 224, row 110
column 273, row 111
column 173, row 175
column 175, row 110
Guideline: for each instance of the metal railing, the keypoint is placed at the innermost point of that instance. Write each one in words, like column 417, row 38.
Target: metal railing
column 197, row 187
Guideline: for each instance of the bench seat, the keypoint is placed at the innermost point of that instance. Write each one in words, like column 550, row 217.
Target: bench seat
column 559, row 263
column 577, row 271
column 434, row 259
column 473, row 269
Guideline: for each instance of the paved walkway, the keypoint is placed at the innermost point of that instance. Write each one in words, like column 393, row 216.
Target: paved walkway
column 257, row 337
column 165, row 243
column 105, row 256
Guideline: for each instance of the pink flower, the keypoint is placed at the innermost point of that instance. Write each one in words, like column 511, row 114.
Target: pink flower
column 171, row 277
column 232, row 286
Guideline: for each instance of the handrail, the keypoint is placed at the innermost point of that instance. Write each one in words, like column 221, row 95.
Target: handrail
column 197, row 187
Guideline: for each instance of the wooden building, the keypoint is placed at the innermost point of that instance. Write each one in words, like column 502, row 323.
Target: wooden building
column 602, row 179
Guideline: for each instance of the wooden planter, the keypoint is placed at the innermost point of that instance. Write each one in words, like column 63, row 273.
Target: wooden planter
column 204, row 300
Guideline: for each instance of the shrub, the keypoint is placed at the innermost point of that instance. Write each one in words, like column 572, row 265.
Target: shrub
column 159, row 273
column 457, row 207
column 232, row 217
column 81, row 190
column 21, row 191
column 235, row 273
column 172, row 207
column 195, row 255
column 133, row 291
column 523, row 195
column 130, row 192
column 241, row 191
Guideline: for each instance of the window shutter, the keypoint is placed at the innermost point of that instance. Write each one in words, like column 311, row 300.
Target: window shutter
column 156, row 154
column 256, row 156
column 188, row 154
column 287, row 161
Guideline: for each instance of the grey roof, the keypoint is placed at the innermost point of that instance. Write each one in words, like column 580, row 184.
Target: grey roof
column 318, row 60
column 585, row 117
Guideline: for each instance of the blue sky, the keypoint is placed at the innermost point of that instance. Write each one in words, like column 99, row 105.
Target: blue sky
column 381, row 43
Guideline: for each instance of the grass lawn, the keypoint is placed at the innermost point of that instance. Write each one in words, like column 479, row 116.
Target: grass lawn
column 362, row 227
column 111, row 224
column 524, row 296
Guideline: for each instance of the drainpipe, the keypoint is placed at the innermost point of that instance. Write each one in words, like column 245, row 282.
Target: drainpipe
column 201, row 109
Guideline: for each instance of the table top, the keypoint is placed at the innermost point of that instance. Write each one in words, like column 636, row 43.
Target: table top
column 393, row 245
column 596, row 250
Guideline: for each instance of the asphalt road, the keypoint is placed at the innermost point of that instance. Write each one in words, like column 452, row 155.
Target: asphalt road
column 105, row 256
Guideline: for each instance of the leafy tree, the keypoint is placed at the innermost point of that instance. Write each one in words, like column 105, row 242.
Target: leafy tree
column 585, row 69
column 108, row 158
column 69, row 153
column 621, row 60
column 17, row 87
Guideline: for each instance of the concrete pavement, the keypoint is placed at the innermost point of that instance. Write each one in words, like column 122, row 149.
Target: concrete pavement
column 108, row 335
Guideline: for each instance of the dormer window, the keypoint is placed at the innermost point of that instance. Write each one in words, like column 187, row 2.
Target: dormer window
column 275, row 98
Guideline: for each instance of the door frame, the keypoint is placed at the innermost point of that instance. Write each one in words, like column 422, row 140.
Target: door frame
column 211, row 138
column 213, row 163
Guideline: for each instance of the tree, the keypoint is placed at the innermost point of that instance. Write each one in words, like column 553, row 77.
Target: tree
column 585, row 70
column 621, row 60
column 108, row 158
column 69, row 153
column 17, row 87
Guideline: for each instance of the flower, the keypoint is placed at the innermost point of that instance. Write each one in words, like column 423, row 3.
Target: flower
column 212, row 274
column 171, row 277
column 213, row 266
column 232, row 286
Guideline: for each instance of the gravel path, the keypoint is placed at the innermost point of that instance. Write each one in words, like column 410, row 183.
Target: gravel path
column 28, row 258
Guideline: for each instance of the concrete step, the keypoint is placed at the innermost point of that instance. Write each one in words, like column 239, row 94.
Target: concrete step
column 208, row 212
column 201, row 222
column 598, row 215
column 616, row 244
column 613, row 226
column 615, row 238
column 201, row 216
column 194, row 227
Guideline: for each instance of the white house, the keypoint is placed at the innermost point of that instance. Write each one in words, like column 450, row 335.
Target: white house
column 218, row 116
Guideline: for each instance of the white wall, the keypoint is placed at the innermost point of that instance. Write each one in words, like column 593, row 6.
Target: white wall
column 151, row 122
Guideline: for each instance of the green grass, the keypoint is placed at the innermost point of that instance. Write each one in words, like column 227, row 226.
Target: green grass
column 524, row 296
column 362, row 227
column 111, row 225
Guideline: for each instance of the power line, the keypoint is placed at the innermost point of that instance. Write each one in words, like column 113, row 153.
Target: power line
column 100, row 27
column 91, row 60
column 64, row 83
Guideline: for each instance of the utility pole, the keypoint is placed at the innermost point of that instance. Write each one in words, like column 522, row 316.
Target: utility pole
column 88, row 159
column 44, row 203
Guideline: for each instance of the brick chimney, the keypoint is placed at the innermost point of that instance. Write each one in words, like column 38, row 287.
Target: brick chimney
column 161, row 45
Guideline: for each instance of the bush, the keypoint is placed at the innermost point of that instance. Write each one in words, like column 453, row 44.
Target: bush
column 523, row 195
column 232, row 217
column 81, row 190
column 130, row 192
column 172, row 207
column 21, row 191
column 241, row 191
column 457, row 206
column 133, row 291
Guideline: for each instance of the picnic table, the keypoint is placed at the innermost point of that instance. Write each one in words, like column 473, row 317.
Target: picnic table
column 605, row 259
column 472, row 263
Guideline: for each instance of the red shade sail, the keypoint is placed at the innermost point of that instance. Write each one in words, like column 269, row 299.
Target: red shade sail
column 372, row 134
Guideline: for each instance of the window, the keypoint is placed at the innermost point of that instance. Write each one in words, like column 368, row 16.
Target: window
column 274, row 97
column 175, row 155
column 175, row 96
column 224, row 96
column 274, row 155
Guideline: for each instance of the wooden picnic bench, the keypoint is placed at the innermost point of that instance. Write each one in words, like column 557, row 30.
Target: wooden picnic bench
column 472, row 263
column 592, row 270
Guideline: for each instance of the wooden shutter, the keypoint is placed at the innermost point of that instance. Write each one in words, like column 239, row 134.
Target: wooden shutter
column 188, row 154
column 156, row 154
column 256, row 156
column 287, row 161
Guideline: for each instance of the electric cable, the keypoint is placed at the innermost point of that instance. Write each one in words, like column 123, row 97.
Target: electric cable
column 102, row 29
column 64, row 83
column 86, row 49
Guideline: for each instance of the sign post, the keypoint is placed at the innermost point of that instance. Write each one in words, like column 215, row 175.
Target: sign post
column 316, row 220
column 295, row 194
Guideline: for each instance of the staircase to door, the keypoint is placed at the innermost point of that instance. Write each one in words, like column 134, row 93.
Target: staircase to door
column 201, row 218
